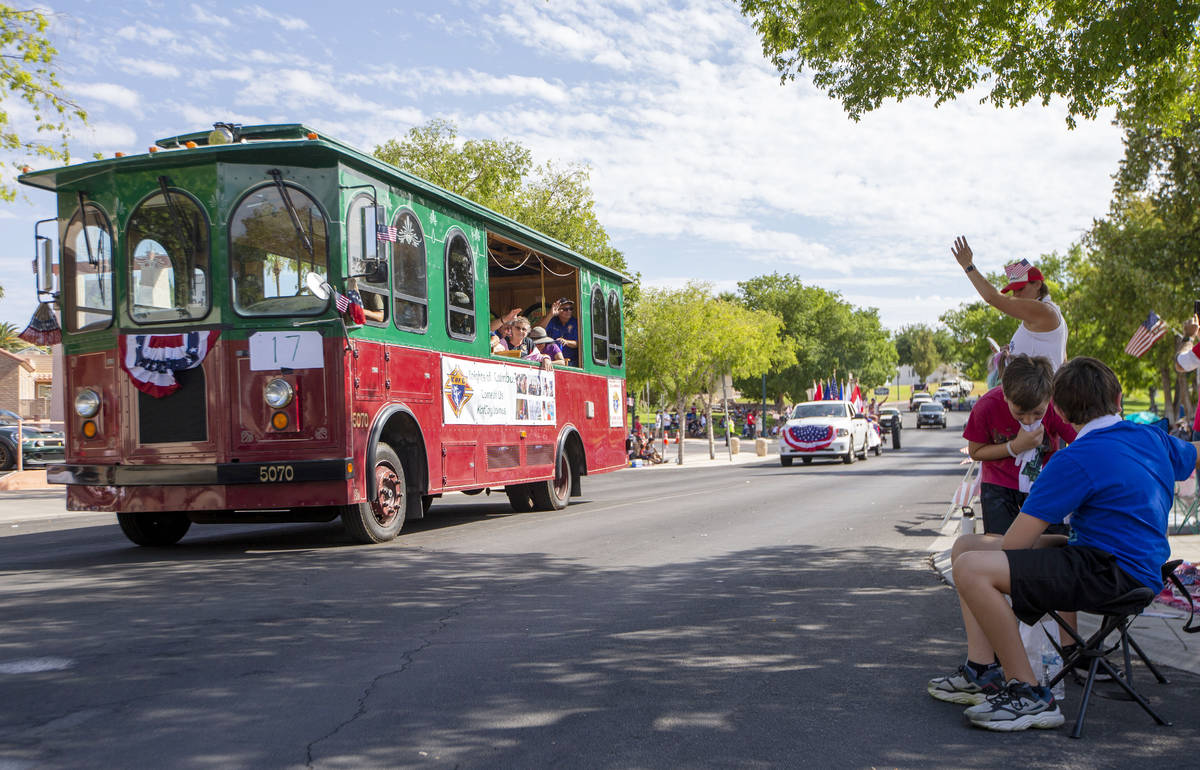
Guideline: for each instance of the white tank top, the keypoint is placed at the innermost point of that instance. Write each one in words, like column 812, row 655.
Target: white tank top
column 1051, row 344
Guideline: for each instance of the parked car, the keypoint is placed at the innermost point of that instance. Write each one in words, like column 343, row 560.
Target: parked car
column 889, row 419
column 39, row 446
column 824, row 429
column 917, row 399
column 931, row 414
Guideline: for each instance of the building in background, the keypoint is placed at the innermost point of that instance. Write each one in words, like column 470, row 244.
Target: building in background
column 27, row 383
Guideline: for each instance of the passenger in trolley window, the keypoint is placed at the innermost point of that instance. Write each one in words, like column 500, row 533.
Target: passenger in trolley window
column 546, row 345
column 560, row 323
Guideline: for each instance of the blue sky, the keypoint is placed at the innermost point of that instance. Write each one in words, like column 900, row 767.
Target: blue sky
column 703, row 165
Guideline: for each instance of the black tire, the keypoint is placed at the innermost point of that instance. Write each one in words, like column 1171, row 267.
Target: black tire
column 426, row 503
column 380, row 520
column 154, row 529
column 553, row 495
column 866, row 450
column 786, row 462
column 806, row 460
column 7, row 458
column 519, row 497
column 850, row 455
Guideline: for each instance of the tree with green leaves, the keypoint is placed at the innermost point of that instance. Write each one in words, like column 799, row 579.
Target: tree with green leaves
column 916, row 346
column 500, row 174
column 826, row 334
column 9, row 339
column 1137, row 55
column 27, row 74
column 682, row 341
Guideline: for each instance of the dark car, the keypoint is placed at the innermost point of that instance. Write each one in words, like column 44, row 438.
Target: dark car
column 931, row 414
column 39, row 446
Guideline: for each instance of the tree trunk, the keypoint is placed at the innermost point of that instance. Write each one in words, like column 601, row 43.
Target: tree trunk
column 1153, row 391
column 712, row 447
column 681, row 430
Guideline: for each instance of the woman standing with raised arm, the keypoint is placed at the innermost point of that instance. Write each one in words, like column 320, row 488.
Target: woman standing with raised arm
column 1043, row 330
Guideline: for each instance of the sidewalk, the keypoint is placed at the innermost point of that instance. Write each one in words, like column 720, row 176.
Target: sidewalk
column 695, row 451
column 1158, row 630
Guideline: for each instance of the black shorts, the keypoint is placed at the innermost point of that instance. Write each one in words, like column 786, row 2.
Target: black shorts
column 1074, row 577
column 1000, row 506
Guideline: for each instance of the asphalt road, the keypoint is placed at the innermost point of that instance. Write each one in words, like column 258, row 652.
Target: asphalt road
column 735, row 616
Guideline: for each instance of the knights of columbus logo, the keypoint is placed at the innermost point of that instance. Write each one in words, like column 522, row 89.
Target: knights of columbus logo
column 458, row 391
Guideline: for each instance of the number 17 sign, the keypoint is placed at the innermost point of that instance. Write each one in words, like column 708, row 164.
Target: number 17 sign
column 285, row 350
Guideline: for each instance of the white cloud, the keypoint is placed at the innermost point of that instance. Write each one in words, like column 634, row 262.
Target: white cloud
column 109, row 93
column 290, row 23
column 204, row 17
column 150, row 67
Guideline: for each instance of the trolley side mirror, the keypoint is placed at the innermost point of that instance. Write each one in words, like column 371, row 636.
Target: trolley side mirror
column 43, row 265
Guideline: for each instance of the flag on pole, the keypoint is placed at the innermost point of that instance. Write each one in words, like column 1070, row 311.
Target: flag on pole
column 1148, row 332
column 856, row 398
column 820, row 395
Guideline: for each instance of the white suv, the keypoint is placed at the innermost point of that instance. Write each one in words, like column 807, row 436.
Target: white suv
column 824, row 429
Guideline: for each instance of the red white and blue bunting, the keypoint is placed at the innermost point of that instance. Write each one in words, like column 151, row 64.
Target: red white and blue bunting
column 152, row 359
column 808, row 438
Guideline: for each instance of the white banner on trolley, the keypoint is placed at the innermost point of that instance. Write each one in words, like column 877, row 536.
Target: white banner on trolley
column 484, row 393
column 616, row 393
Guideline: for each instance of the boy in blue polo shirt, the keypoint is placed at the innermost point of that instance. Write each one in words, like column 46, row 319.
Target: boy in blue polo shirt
column 1117, row 481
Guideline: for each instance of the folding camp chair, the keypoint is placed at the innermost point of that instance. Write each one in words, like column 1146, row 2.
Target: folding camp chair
column 1187, row 505
column 967, row 492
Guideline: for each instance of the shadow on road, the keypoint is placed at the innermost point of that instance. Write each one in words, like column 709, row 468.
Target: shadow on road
column 275, row 647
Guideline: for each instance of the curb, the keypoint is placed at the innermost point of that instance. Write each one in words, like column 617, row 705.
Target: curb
column 17, row 480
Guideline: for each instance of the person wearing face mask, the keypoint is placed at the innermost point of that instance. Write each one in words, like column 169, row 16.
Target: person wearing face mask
column 1012, row 431
column 1043, row 330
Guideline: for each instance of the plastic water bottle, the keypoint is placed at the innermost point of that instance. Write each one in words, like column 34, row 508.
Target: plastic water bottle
column 968, row 520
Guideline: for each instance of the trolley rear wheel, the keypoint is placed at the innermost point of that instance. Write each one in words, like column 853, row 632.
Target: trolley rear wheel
column 154, row 529
column 553, row 495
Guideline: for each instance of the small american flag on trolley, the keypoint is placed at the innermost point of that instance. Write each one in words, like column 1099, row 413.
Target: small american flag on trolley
column 342, row 302
column 387, row 233
column 1148, row 332
column 1016, row 271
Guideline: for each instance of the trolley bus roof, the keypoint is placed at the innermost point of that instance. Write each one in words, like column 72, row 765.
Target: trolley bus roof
column 296, row 144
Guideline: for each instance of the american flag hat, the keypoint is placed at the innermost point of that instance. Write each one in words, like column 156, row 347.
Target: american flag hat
column 1020, row 273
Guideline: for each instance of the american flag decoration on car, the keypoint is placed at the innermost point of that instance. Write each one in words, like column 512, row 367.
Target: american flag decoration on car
column 1148, row 332
column 809, row 438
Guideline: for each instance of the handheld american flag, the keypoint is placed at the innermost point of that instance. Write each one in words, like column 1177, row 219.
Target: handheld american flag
column 1148, row 332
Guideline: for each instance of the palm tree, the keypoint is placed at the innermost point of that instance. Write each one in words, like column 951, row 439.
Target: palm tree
column 9, row 339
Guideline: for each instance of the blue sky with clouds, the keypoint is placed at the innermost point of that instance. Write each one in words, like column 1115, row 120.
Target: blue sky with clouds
column 703, row 165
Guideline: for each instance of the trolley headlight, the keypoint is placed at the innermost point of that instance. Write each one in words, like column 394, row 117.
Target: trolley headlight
column 278, row 393
column 87, row 403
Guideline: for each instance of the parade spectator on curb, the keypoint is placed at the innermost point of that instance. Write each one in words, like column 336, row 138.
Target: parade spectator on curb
column 1013, row 430
column 560, row 323
column 1188, row 359
column 1116, row 481
column 1043, row 330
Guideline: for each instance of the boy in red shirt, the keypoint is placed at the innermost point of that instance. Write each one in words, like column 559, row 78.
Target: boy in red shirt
column 1013, row 430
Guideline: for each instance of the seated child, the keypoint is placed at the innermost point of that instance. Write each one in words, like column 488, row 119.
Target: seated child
column 1117, row 482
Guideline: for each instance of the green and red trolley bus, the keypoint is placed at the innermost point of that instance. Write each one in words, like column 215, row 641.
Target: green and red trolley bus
column 210, row 375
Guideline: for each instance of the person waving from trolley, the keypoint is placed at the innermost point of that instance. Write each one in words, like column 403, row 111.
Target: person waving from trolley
column 1043, row 330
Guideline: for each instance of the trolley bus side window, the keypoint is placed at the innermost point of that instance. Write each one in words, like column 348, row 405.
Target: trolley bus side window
column 168, row 257
column 615, row 348
column 410, row 286
column 87, row 259
column 359, row 244
column 460, row 287
column 599, row 326
column 268, row 259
